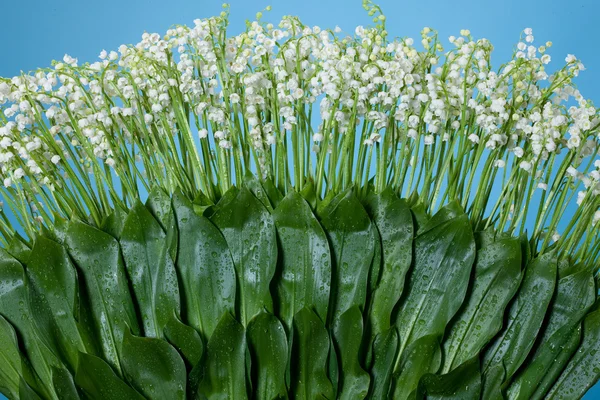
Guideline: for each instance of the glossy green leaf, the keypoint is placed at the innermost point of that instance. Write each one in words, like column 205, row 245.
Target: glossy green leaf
column 445, row 214
column 525, row 315
column 52, row 275
column 347, row 336
column 98, row 257
column 386, row 315
column 385, row 348
column 224, row 366
column 582, row 371
column 269, row 350
column 255, row 186
column 26, row 392
column 421, row 357
column 13, row 367
column 227, row 198
column 376, row 265
column 202, row 204
column 250, row 233
column 565, row 267
column 565, row 314
column 566, row 350
column 64, row 385
column 153, row 367
column 114, row 223
column 304, row 277
column 58, row 230
column 150, row 270
column 16, row 307
column 185, row 339
column 420, row 215
column 99, row 382
column 497, row 278
column 349, row 230
column 205, row 269
column 394, row 224
column 273, row 194
column 328, row 202
column 333, row 367
column 159, row 204
column 19, row 249
column 308, row 193
column 492, row 383
column 566, row 309
column 443, row 258
column 462, row 383
column 526, row 384
column 309, row 355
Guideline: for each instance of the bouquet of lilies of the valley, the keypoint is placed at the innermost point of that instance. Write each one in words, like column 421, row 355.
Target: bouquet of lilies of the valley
column 298, row 212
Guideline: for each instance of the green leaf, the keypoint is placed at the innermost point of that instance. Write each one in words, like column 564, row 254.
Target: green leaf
column 19, row 249
column 269, row 350
column 99, row 382
column 98, row 258
column 421, row 357
column 202, row 203
column 224, row 368
column 26, row 392
column 566, row 267
column 13, row 366
column 185, row 339
column 569, row 310
column 333, row 367
column 227, row 198
column 349, row 230
column 462, row 383
column 347, row 335
column 443, row 258
column 525, row 251
column 205, row 269
column 492, row 383
column 445, row 214
column 497, row 277
column 308, row 193
column 150, row 270
column 58, row 229
column 153, row 367
column 16, row 307
column 385, row 348
column 419, row 214
column 376, row 265
column 159, row 204
column 394, row 223
column 113, row 224
column 64, row 385
column 54, row 277
column 255, row 186
column 545, row 366
column 575, row 295
column 567, row 349
column 305, row 260
column 309, row 355
column 272, row 192
column 250, row 233
column 525, row 315
column 325, row 205
column 583, row 371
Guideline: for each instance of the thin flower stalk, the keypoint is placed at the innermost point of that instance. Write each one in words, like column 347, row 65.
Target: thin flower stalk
column 199, row 110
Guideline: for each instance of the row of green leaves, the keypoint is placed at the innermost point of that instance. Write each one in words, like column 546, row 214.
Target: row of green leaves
column 269, row 297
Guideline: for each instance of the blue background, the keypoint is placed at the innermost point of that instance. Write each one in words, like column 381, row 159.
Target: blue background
column 34, row 32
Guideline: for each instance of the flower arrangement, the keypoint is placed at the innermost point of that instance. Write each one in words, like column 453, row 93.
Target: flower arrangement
column 329, row 215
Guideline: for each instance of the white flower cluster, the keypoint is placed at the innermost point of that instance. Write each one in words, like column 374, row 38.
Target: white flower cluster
column 184, row 109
